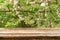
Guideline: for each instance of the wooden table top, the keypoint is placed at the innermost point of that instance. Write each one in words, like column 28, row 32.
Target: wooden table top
column 29, row 32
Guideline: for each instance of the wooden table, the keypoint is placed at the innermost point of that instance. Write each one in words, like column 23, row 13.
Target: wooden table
column 29, row 33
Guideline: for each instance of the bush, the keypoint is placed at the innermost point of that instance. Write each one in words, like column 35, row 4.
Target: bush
column 29, row 13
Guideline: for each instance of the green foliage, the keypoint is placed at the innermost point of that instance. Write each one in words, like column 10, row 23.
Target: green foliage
column 29, row 13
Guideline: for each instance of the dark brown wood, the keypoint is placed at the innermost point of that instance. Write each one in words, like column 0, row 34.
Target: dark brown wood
column 29, row 32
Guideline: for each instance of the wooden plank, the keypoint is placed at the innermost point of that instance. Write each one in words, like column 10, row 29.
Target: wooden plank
column 29, row 32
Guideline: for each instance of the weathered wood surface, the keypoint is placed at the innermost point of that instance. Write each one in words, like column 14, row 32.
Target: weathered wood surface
column 29, row 32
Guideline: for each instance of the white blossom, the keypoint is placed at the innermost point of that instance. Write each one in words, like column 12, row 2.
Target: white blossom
column 15, row 2
column 43, row 4
column 46, row 15
column 21, row 18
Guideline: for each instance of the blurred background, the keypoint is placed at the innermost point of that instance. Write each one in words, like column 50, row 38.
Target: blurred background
column 29, row 13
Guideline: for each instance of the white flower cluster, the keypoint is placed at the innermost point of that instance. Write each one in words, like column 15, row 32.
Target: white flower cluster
column 15, row 2
column 43, row 4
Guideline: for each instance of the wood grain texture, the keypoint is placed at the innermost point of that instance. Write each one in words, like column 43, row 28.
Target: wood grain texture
column 29, row 32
